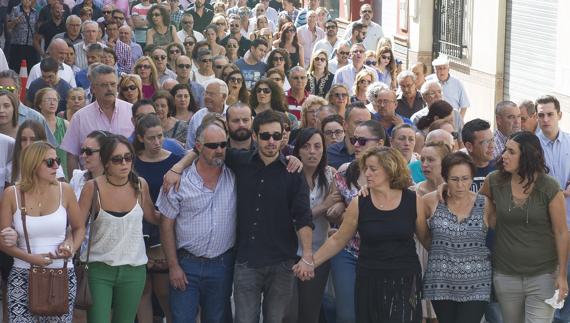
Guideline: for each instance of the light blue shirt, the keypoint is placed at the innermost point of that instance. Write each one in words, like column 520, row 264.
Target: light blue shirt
column 25, row 113
column 347, row 74
column 557, row 155
column 453, row 92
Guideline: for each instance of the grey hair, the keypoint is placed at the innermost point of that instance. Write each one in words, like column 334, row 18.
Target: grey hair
column 99, row 69
column 88, row 22
column 70, row 18
column 406, row 73
column 374, row 90
column 9, row 74
column 438, row 135
column 343, row 43
column 296, row 69
column 427, row 84
column 222, row 84
column 529, row 107
column 220, row 57
column 202, row 129
column 503, row 105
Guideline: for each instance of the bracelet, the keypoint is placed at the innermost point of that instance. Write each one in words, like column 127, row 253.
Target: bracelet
column 312, row 264
column 175, row 172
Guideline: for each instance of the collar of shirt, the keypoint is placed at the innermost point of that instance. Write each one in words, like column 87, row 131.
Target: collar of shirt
column 115, row 110
column 501, row 136
column 559, row 137
column 255, row 155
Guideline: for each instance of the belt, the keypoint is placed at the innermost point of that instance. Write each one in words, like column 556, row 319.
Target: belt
column 183, row 253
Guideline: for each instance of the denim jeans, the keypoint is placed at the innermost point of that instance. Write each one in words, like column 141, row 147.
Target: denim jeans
column 563, row 315
column 274, row 282
column 493, row 313
column 343, row 270
column 209, row 287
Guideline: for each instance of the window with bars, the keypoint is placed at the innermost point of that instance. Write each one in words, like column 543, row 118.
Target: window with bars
column 448, row 29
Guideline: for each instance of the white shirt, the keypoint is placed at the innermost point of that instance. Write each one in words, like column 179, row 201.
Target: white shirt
column 327, row 46
column 182, row 34
column 65, row 74
column 3, row 62
column 6, row 152
column 373, row 34
column 308, row 39
column 347, row 74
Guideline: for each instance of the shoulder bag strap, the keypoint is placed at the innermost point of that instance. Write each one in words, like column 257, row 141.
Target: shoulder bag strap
column 23, row 214
column 92, row 212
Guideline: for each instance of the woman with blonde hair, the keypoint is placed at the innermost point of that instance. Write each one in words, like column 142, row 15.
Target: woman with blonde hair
column 43, row 207
column 220, row 21
column 386, row 66
column 130, row 88
column 145, row 68
column 309, row 111
column 46, row 101
column 338, row 96
column 75, row 101
column 363, row 79
column 319, row 78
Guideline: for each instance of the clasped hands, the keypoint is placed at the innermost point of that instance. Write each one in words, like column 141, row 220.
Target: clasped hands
column 305, row 268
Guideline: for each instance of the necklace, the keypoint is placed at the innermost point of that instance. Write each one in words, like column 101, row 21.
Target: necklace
column 116, row 185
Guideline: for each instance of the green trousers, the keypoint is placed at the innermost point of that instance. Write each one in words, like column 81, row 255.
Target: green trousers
column 116, row 292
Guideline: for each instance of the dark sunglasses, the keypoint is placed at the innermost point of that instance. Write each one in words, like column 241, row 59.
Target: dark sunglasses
column 50, row 162
column 188, row 22
column 129, row 88
column 370, row 63
column 117, row 160
column 8, row 88
column 188, row 43
column 174, row 51
column 88, row 151
column 215, row 145
column 144, row 66
column 219, row 67
column 267, row 135
column 343, row 53
column 287, row 127
column 265, row 90
column 188, row 66
column 321, row 59
column 159, row 57
column 361, row 140
column 235, row 79
column 330, row 27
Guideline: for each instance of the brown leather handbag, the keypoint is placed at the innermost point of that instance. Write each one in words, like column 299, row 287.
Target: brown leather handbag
column 83, row 300
column 48, row 290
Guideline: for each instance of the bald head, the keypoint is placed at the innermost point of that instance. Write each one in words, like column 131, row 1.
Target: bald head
column 440, row 135
column 57, row 49
column 125, row 33
column 169, row 84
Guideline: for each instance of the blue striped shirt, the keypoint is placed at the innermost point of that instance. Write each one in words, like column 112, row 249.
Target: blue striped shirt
column 205, row 219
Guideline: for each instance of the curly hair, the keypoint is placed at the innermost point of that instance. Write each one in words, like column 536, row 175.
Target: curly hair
column 163, row 13
column 243, row 94
column 278, row 102
column 394, row 165
column 286, row 57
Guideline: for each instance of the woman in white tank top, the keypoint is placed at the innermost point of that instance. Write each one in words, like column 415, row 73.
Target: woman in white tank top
column 50, row 207
column 117, row 259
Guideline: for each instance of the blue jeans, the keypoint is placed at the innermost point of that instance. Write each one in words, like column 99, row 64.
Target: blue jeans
column 276, row 284
column 493, row 313
column 209, row 287
column 563, row 315
column 343, row 270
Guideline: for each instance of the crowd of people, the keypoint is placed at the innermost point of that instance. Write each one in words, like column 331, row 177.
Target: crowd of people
column 246, row 161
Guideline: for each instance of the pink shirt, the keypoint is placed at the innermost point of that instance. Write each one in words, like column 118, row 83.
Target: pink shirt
column 308, row 40
column 91, row 118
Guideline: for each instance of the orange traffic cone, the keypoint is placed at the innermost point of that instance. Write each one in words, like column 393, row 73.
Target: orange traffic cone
column 23, row 79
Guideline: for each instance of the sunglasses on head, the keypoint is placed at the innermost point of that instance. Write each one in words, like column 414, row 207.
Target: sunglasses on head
column 265, row 90
column 51, row 162
column 216, row 145
column 88, row 151
column 129, row 88
column 267, row 135
column 361, row 140
column 188, row 66
column 117, row 160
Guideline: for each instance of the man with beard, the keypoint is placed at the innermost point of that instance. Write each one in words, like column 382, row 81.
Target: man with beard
column 235, row 32
column 330, row 41
column 107, row 113
column 373, row 31
column 198, row 230
column 357, row 34
column 215, row 101
column 239, row 121
column 202, row 15
column 47, row 30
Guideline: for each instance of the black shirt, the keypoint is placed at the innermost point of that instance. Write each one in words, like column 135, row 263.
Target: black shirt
column 97, row 13
column 244, row 44
column 50, row 29
column 272, row 204
column 201, row 22
column 45, row 13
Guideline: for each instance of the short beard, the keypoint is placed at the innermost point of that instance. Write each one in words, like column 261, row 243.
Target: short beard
column 240, row 134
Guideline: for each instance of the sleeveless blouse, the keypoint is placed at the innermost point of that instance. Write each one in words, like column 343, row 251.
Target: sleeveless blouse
column 161, row 40
column 459, row 262
column 118, row 241
column 46, row 232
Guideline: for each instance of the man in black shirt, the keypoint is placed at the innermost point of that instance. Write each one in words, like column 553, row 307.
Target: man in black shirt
column 202, row 15
column 235, row 32
column 53, row 26
column 480, row 146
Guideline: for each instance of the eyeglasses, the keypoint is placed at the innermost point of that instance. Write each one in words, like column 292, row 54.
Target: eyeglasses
column 370, row 63
column 159, row 57
column 106, row 12
column 188, row 66
column 361, row 140
column 298, row 78
column 341, row 95
column 8, row 88
column 117, row 160
column 388, row 57
column 88, row 151
column 51, row 162
column 206, row 60
column 278, row 58
column 267, row 135
column 290, row 30
column 216, row 145
column 331, row 27
column 144, row 67
column 343, row 53
column 334, row 133
column 235, row 79
column 265, row 90
column 129, row 88
column 320, row 59
column 174, row 51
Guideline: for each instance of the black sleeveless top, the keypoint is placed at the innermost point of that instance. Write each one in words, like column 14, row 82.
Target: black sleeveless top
column 387, row 237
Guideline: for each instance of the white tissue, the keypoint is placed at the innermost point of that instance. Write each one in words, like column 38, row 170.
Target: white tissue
column 552, row 301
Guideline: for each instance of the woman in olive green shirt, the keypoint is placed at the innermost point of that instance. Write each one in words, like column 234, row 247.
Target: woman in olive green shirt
column 528, row 212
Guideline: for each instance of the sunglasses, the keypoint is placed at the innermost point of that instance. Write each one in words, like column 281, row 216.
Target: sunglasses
column 174, row 51
column 388, row 57
column 267, row 135
column 188, row 66
column 51, row 162
column 118, row 18
column 370, row 63
column 106, row 12
column 265, row 90
column 278, row 58
column 455, row 135
column 188, row 43
column 236, row 79
column 216, row 145
column 8, row 88
column 218, row 67
column 343, row 53
column 144, row 67
column 320, row 59
column 129, row 88
column 234, row 25
column 330, row 27
column 159, row 57
column 361, row 140
column 88, row 151
column 117, row 160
